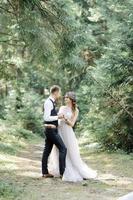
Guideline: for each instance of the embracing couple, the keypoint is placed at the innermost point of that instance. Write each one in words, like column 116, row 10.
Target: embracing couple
column 61, row 156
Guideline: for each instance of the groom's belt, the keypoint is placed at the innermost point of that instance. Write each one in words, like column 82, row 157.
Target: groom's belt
column 55, row 123
column 50, row 126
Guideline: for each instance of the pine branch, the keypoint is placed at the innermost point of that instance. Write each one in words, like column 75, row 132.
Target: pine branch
column 11, row 4
column 10, row 40
column 11, row 44
column 3, row 33
column 6, row 10
column 108, row 92
column 48, row 12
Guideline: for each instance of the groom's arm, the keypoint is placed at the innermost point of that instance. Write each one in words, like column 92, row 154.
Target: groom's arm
column 48, row 106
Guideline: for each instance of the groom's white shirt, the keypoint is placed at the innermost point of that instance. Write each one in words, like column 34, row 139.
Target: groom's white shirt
column 48, row 106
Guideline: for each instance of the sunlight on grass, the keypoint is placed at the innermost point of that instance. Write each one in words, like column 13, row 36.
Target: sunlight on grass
column 25, row 171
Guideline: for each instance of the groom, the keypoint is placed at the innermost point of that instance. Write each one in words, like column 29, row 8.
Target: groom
column 51, row 132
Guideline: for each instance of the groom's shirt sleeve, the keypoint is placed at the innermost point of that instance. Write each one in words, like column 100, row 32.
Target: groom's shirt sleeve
column 48, row 107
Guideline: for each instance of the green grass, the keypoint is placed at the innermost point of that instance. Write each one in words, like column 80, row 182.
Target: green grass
column 9, row 191
column 21, row 177
column 20, row 174
column 14, row 139
column 8, row 149
column 111, row 162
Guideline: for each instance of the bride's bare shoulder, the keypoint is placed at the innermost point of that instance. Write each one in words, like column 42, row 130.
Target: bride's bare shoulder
column 62, row 107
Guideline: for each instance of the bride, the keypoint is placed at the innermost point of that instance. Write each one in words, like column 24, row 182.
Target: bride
column 76, row 169
column 129, row 196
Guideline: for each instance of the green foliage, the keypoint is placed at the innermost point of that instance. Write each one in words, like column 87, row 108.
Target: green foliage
column 31, row 121
column 8, row 191
column 31, row 113
column 14, row 137
column 8, row 149
column 81, row 45
column 107, row 88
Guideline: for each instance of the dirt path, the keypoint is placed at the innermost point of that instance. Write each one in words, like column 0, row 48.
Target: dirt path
column 22, row 172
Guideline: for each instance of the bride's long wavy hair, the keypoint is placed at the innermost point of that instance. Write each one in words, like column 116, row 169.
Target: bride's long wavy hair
column 71, row 95
column 74, row 105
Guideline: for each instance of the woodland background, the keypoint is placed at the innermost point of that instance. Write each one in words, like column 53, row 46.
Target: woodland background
column 82, row 45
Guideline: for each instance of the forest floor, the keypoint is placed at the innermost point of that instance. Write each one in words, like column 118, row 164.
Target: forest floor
column 20, row 177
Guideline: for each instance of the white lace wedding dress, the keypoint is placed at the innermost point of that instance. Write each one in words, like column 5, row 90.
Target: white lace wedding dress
column 129, row 196
column 76, row 169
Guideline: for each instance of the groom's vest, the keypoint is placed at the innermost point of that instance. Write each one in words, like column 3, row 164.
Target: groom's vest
column 53, row 113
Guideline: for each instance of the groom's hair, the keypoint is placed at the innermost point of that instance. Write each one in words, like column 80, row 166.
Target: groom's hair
column 55, row 88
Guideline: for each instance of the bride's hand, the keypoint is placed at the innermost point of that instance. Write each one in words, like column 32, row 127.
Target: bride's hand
column 64, row 119
column 60, row 116
column 67, row 121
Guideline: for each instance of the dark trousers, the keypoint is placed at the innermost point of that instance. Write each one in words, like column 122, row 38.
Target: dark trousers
column 52, row 137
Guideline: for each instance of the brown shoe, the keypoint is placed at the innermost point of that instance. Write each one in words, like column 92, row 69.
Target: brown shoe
column 47, row 176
